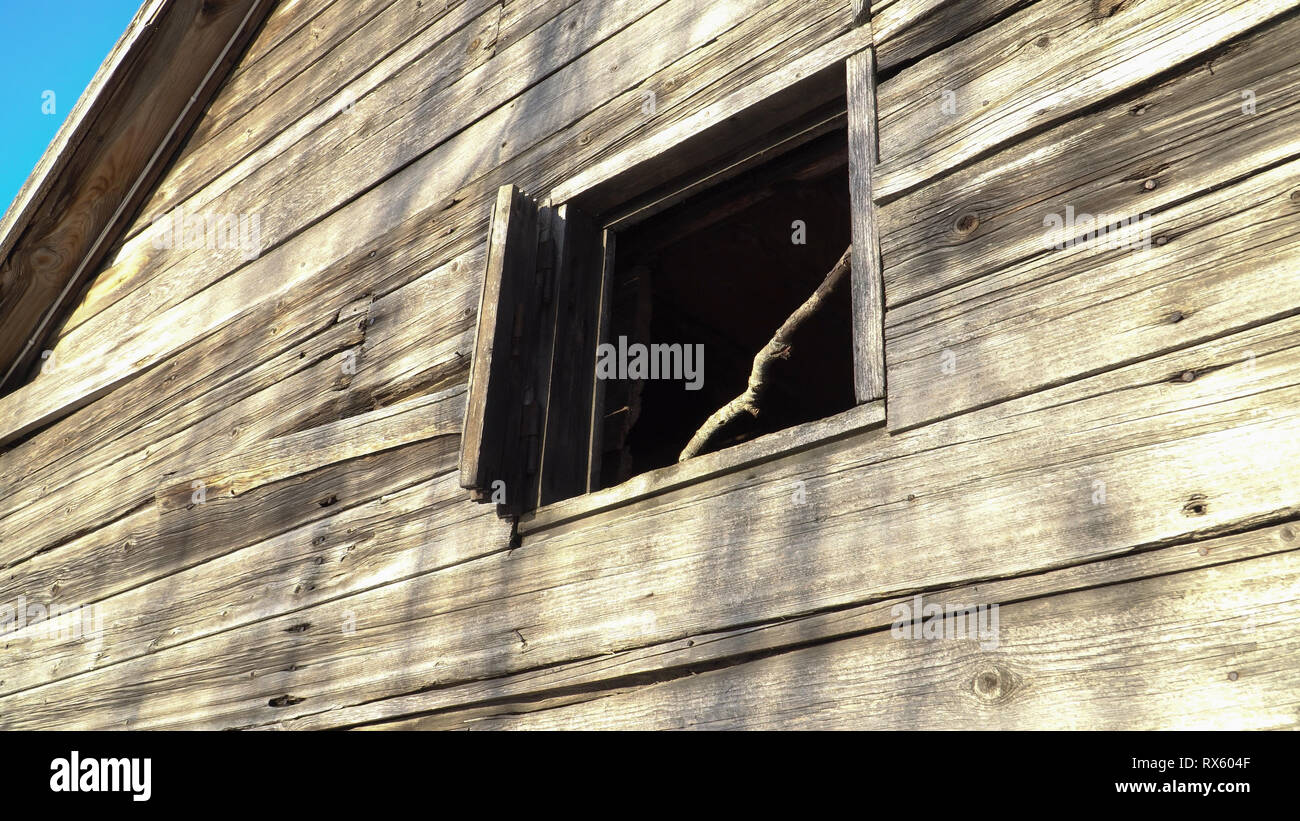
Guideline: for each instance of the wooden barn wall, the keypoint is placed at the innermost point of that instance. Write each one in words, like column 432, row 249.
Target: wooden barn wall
column 256, row 489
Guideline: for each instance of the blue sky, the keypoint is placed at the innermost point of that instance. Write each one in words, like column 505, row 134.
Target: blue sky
column 47, row 45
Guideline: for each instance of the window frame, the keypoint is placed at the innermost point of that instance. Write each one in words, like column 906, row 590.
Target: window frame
column 791, row 107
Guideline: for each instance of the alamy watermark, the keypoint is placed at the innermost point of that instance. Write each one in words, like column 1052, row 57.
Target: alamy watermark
column 127, row 775
column 1096, row 230
column 77, row 623
column 656, row 361
column 211, row 232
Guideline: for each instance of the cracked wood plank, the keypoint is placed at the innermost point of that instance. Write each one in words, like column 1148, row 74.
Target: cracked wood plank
column 739, row 550
column 1204, row 649
column 600, row 677
column 405, row 532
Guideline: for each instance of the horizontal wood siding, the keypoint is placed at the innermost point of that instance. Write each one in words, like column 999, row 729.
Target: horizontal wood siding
column 248, row 466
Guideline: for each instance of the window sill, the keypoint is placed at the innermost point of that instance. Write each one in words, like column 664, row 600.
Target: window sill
column 738, row 457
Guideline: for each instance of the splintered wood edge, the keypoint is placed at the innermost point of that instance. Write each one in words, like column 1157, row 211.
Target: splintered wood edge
column 738, row 457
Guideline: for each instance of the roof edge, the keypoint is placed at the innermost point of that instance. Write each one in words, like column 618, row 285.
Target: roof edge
column 107, row 157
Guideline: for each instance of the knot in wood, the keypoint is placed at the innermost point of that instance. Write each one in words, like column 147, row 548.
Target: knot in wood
column 967, row 223
column 1196, row 505
column 995, row 684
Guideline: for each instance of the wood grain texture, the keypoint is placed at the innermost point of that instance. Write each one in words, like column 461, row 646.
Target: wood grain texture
column 490, row 443
column 907, row 32
column 105, row 158
column 1036, row 68
column 276, row 119
column 1179, row 461
column 217, row 396
column 146, row 278
column 1101, row 659
column 349, row 582
column 1201, row 129
column 868, row 286
column 467, row 705
column 425, row 184
column 1214, row 265
column 861, row 11
column 698, row 142
column 348, row 549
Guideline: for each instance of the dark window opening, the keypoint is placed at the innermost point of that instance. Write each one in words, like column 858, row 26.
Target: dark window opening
column 724, row 269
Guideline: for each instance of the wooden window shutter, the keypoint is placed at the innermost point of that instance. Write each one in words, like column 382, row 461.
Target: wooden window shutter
column 577, row 320
column 867, row 281
column 529, row 413
column 495, row 416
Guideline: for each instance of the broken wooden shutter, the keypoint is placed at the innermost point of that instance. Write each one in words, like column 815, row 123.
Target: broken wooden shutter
column 528, row 415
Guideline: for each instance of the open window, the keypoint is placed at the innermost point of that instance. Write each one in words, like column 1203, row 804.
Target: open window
column 721, row 288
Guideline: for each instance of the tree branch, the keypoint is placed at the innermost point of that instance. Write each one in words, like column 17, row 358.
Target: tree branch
column 777, row 348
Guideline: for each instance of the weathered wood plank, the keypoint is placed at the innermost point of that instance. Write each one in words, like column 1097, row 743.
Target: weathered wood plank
column 490, row 446
column 273, row 460
column 256, row 494
column 601, row 677
column 1214, row 265
column 573, row 318
column 292, row 45
column 167, row 401
column 308, row 327
column 150, row 546
column 1206, row 649
column 407, row 104
column 47, row 519
column 138, row 283
column 583, row 589
column 702, row 138
column 708, row 466
column 1033, row 70
column 285, row 20
column 413, row 530
column 370, row 40
column 906, row 32
column 338, row 234
column 401, row 357
column 868, row 288
column 1190, row 134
